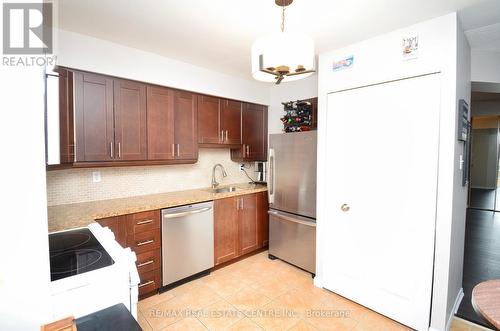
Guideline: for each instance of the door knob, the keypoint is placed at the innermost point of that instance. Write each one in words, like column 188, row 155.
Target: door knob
column 345, row 207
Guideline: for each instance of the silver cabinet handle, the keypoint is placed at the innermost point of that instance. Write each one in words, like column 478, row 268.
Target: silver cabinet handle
column 248, row 150
column 242, row 203
column 226, row 136
column 185, row 213
column 221, row 139
column 146, row 283
column 178, row 149
column 147, row 242
column 244, row 150
column 119, row 150
column 111, row 152
column 173, row 150
column 345, row 207
column 145, row 263
column 144, row 222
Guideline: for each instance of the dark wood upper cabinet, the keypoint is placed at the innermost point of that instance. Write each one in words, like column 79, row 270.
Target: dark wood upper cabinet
column 94, row 128
column 108, row 121
column 66, row 116
column 230, row 121
column 209, row 130
column 254, row 134
column 130, row 120
column 219, row 122
column 160, row 123
column 185, row 126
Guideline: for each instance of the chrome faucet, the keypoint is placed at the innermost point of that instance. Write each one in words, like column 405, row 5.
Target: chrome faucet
column 224, row 174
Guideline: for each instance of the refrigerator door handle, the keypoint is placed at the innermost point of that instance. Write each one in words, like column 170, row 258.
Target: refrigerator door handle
column 271, row 175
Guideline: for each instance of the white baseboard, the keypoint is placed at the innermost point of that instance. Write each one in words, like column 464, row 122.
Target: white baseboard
column 454, row 310
column 318, row 282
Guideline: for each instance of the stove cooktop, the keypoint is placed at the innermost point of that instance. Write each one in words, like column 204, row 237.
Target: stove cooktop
column 75, row 252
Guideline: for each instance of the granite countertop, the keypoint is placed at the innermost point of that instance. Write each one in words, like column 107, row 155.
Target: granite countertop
column 76, row 215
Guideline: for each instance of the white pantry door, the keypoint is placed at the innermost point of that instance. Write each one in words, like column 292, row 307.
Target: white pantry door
column 382, row 152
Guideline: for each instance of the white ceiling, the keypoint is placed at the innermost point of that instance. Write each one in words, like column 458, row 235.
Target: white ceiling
column 218, row 34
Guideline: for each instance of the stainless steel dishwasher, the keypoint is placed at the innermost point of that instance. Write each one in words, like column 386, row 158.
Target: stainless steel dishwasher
column 187, row 238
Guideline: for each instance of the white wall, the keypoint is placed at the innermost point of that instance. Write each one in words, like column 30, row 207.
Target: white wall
column 485, row 66
column 97, row 55
column 24, row 252
column 378, row 60
column 457, row 237
column 301, row 89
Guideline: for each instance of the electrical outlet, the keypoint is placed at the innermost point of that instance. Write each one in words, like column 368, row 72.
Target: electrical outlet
column 242, row 167
column 96, row 176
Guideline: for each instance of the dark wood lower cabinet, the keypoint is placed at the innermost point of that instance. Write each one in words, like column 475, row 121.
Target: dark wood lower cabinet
column 248, row 221
column 225, row 230
column 118, row 225
column 263, row 224
column 141, row 232
column 240, row 226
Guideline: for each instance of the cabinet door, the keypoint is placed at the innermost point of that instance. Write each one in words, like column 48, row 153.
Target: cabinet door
column 130, row 120
column 160, row 123
column 209, row 131
column 254, row 119
column 66, row 116
column 118, row 225
column 247, row 224
column 185, row 123
column 94, row 137
column 230, row 118
column 225, row 230
column 262, row 219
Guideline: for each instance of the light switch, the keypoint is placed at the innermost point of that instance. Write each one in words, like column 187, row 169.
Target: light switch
column 96, row 176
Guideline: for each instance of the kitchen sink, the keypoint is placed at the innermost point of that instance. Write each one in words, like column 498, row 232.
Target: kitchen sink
column 223, row 189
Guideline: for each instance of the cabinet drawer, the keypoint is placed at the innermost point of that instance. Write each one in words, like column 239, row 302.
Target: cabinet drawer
column 144, row 241
column 148, row 261
column 142, row 222
column 150, row 281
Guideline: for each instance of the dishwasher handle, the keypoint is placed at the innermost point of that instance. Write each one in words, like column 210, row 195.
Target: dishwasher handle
column 186, row 213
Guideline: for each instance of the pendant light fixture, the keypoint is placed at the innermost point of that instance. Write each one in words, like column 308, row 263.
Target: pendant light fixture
column 282, row 56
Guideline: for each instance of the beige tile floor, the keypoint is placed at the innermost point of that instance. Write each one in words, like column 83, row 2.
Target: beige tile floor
column 259, row 294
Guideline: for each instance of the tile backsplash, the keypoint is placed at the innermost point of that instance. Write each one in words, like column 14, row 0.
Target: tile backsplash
column 76, row 185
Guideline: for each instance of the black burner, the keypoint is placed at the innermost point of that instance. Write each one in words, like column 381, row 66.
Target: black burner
column 75, row 252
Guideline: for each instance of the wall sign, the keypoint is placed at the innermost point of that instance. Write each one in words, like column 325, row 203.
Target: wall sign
column 344, row 63
column 463, row 120
column 410, row 47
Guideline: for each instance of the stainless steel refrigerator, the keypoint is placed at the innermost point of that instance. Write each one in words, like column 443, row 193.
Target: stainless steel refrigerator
column 292, row 198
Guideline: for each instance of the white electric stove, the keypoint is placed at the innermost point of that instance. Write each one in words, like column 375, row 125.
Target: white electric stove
column 90, row 271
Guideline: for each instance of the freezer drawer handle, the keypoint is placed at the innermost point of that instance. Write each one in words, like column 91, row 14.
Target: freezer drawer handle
column 145, row 242
column 345, row 207
column 291, row 219
column 186, row 213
